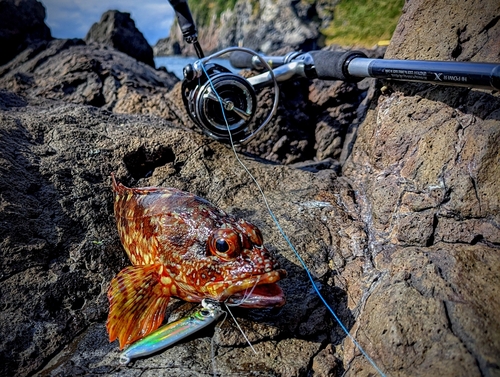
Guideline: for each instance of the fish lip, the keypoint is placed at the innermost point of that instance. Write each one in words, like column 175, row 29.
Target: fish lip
column 268, row 278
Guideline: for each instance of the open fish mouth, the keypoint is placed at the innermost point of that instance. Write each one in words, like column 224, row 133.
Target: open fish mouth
column 258, row 291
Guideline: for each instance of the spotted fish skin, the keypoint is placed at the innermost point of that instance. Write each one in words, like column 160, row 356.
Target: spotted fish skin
column 181, row 245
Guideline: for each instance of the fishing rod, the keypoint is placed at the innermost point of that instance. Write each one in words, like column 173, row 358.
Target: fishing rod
column 353, row 66
column 240, row 96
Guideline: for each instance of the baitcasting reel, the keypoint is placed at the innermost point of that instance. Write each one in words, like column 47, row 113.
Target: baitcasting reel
column 221, row 103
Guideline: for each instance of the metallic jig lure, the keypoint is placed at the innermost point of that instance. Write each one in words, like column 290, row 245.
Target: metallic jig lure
column 173, row 332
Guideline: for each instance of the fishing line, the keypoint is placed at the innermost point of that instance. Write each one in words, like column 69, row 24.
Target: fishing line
column 241, row 330
column 242, row 301
column 212, row 346
column 246, row 295
column 219, row 325
column 292, row 247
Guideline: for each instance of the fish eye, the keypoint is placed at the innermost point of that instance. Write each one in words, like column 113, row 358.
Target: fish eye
column 224, row 243
column 221, row 245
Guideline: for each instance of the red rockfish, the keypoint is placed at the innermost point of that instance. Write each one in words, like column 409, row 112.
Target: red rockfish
column 181, row 245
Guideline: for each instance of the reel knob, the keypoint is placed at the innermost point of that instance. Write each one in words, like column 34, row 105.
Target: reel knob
column 189, row 72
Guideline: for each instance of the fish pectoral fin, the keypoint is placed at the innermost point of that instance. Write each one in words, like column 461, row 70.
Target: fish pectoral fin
column 137, row 303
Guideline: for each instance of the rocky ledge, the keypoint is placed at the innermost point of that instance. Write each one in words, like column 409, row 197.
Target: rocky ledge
column 401, row 234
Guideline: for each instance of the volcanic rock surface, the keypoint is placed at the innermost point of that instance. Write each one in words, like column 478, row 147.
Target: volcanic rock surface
column 118, row 30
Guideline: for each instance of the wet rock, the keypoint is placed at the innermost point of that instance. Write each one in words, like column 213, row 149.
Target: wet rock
column 117, row 29
column 23, row 24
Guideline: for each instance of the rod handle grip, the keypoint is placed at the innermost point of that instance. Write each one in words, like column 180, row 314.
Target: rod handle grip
column 332, row 65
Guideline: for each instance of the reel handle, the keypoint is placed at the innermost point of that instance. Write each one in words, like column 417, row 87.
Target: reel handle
column 240, row 59
column 186, row 24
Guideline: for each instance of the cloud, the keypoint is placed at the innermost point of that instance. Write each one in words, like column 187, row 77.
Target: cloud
column 73, row 18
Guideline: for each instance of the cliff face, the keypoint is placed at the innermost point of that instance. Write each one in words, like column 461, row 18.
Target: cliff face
column 265, row 25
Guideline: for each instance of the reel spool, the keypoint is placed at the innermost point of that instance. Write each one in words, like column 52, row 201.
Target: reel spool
column 238, row 97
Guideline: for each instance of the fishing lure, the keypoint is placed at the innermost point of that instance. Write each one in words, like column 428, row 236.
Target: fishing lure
column 173, row 332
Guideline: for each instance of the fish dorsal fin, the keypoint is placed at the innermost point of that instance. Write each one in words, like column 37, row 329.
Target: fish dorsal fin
column 137, row 303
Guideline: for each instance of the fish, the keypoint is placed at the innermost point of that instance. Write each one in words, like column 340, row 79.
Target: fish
column 181, row 245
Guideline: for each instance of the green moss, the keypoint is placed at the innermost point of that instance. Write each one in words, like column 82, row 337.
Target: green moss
column 363, row 22
column 203, row 10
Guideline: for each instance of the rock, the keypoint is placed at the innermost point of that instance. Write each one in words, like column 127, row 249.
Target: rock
column 428, row 312
column 117, row 29
column 325, row 364
column 458, row 39
column 426, row 165
column 264, row 26
column 23, row 24
column 91, row 75
column 166, row 48
column 267, row 26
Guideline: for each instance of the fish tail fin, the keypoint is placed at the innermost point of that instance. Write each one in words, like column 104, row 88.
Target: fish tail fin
column 137, row 303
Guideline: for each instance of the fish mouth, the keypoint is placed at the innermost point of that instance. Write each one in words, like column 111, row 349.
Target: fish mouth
column 257, row 291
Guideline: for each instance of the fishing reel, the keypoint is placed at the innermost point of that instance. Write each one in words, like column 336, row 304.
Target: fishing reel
column 221, row 103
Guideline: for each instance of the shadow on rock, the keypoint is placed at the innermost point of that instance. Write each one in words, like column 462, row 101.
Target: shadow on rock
column 45, row 293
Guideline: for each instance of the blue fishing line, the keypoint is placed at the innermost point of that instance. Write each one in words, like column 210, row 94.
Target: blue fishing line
column 315, row 287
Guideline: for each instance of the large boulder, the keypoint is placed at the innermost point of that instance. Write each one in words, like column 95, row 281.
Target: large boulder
column 118, row 30
column 22, row 24
column 426, row 163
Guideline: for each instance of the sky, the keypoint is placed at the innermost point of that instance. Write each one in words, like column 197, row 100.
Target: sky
column 73, row 18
